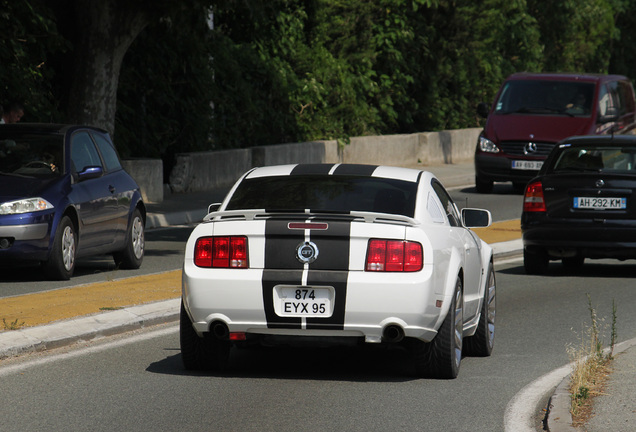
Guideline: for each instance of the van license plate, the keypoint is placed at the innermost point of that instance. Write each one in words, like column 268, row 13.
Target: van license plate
column 598, row 203
column 527, row 165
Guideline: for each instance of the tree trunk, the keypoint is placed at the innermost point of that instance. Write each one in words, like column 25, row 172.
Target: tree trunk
column 106, row 28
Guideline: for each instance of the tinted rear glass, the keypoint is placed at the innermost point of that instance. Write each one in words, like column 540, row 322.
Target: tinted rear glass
column 326, row 193
column 33, row 155
column 596, row 158
column 546, row 97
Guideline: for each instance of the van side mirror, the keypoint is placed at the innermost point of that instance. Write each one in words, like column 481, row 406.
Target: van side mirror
column 476, row 218
column 90, row 172
column 483, row 109
column 611, row 115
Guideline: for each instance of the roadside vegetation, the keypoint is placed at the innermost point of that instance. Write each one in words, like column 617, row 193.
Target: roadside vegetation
column 12, row 325
column 592, row 365
column 219, row 74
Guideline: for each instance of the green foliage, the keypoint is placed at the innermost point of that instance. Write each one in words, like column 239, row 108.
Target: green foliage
column 29, row 38
column 165, row 89
column 281, row 71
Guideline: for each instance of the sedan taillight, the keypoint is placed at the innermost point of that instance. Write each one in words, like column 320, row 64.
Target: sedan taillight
column 394, row 256
column 221, row 252
column 533, row 200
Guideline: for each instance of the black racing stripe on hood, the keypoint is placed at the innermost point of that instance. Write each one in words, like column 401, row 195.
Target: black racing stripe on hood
column 309, row 169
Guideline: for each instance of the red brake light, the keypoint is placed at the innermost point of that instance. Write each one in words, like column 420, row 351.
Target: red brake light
column 533, row 200
column 394, row 256
column 221, row 252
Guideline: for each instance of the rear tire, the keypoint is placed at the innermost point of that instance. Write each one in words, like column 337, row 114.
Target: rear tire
column 573, row 263
column 132, row 255
column 201, row 353
column 61, row 263
column 482, row 342
column 441, row 358
column 535, row 261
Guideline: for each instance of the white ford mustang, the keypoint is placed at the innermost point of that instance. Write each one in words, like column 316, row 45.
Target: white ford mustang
column 339, row 254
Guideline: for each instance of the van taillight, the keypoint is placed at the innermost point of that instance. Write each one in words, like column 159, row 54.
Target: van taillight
column 221, row 252
column 533, row 200
column 394, row 256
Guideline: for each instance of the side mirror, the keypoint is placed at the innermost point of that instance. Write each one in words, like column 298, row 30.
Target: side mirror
column 483, row 109
column 213, row 207
column 476, row 218
column 90, row 172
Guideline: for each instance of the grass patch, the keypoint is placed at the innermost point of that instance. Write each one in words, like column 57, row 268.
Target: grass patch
column 110, row 308
column 591, row 366
column 14, row 325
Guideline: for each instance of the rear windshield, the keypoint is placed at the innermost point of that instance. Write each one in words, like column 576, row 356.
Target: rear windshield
column 341, row 194
column 597, row 158
column 32, row 155
column 546, row 97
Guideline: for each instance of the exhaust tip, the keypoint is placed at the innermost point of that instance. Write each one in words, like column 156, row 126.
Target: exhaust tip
column 220, row 330
column 393, row 334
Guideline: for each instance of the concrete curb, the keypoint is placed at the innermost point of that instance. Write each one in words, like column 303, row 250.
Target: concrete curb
column 559, row 418
column 67, row 332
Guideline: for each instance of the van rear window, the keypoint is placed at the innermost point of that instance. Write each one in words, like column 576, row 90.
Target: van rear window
column 546, row 97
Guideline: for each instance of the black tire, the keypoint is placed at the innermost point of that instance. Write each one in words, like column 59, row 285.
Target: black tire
column 482, row 342
column 61, row 263
column 483, row 185
column 201, row 353
column 535, row 261
column 573, row 263
column 132, row 255
column 441, row 358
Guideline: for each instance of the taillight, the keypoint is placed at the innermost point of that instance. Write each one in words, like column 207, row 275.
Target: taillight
column 221, row 252
column 394, row 256
column 533, row 200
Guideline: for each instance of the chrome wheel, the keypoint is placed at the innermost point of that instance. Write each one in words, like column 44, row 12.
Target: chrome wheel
column 138, row 242
column 68, row 248
column 459, row 327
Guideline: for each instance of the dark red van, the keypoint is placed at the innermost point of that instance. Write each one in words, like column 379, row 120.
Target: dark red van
column 532, row 112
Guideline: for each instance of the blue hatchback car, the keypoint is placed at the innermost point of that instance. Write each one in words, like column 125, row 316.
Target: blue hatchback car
column 64, row 195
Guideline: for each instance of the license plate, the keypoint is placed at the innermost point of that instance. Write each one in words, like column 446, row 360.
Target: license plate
column 599, row 203
column 303, row 301
column 527, row 165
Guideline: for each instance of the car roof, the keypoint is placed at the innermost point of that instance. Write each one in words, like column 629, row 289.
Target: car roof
column 45, row 128
column 600, row 140
column 582, row 77
column 358, row 170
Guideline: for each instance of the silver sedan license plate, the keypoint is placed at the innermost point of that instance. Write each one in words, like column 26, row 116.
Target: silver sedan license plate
column 600, row 203
column 303, row 301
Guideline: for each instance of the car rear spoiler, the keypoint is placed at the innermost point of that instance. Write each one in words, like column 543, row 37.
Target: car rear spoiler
column 367, row 217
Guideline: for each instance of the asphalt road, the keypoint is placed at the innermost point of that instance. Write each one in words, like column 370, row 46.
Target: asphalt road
column 136, row 382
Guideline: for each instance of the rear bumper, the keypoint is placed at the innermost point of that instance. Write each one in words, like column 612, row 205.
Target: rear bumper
column 591, row 240
column 364, row 308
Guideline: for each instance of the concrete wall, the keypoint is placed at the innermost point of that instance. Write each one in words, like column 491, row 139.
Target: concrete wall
column 148, row 173
column 201, row 171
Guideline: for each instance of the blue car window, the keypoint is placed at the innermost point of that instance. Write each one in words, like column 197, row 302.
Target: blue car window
column 83, row 152
column 108, row 153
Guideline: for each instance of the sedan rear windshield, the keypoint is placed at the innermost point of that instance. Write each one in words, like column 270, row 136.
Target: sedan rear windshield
column 32, row 155
column 546, row 97
column 340, row 194
column 597, row 158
